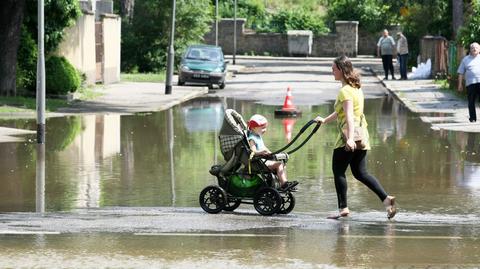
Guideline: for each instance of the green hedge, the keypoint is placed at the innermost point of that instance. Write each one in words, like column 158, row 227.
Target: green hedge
column 61, row 76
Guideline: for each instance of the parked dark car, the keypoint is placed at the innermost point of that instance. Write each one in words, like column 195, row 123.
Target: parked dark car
column 203, row 64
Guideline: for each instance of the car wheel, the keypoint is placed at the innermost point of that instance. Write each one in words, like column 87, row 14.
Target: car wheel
column 181, row 83
column 222, row 85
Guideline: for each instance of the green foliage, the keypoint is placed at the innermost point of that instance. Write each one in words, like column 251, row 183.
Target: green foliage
column 284, row 16
column 59, row 14
column 296, row 19
column 145, row 38
column 26, row 63
column 430, row 17
column 372, row 15
column 470, row 32
column 252, row 10
column 62, row 77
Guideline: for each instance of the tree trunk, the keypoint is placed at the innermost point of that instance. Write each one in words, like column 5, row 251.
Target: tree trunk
column 11, row 17
column 126, row 8
column 457, row 16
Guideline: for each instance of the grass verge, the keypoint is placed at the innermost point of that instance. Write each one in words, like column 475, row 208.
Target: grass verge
column 143, row 77
column 27, row 104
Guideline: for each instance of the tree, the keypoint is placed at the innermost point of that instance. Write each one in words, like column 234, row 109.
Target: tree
column 59, row 14
column 11, row 16
column 145, row 37
column 372, row 15
column 470, row 32
column 126, row 8
column 457, row 16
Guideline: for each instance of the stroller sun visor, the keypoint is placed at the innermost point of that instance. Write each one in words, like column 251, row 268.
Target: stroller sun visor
column 232, row 132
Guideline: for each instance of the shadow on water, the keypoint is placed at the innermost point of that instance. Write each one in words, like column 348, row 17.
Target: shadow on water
column 162, row 159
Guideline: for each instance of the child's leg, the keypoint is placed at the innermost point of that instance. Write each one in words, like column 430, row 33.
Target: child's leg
column 279, row 168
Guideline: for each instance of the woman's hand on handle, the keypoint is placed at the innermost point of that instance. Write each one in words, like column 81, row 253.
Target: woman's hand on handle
column 319, row 120
column 326, row 120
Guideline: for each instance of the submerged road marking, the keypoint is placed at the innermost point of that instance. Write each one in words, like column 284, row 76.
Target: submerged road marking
column 210, row 234
column 26, row 232
column 405, row 237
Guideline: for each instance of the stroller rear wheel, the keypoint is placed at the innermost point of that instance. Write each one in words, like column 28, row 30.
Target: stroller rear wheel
column 267, row 201
column 213, row 199
column 288, row 203
column 232, row 204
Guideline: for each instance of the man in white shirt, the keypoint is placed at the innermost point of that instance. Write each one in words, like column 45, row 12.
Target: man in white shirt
column 470, row 68
column 386, row 49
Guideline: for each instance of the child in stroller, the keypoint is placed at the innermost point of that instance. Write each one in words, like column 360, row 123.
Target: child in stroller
column 245, row 176
column 257, row 126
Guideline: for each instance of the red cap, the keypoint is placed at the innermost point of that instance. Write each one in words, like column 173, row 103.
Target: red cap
column 257, row 121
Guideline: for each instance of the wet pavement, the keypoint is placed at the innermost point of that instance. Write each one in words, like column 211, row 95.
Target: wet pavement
column 121, row 191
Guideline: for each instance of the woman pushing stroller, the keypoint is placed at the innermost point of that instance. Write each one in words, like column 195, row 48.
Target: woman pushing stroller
column 257, row 126
column 352, row 141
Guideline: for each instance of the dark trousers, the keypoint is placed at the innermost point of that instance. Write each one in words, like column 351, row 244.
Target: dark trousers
column 473, row 92
column 387, row 65
column 358, row 163
column 403, row 58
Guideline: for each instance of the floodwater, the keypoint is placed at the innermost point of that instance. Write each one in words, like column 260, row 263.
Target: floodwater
column 162, row 160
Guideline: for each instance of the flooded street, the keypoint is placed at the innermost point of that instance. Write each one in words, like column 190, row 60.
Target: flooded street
column 160, row 161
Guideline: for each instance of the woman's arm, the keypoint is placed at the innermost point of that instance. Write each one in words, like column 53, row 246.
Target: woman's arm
column 328, row 119
column 348, row 108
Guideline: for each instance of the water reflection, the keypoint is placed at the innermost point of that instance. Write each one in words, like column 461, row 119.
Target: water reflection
column 162, row 159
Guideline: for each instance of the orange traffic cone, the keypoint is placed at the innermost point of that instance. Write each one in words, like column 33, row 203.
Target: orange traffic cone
column 288, row 109
column 288, row 128
column 288, row 104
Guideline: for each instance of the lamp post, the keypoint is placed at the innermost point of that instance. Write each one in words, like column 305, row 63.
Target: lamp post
column 216, row 22
column 170, row 55
column 40, row 164
column 234, row 31
column 41, row 75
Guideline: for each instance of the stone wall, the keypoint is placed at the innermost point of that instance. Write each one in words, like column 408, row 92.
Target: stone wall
column 78, row 45
column 343, row 41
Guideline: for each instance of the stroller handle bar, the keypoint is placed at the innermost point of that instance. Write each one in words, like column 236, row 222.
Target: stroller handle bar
column 304, row 128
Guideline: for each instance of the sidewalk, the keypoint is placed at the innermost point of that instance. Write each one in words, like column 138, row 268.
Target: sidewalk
column 442, row 109
column 134, row 97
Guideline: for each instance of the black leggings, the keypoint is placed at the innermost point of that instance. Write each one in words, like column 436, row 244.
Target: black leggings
column 358, row 163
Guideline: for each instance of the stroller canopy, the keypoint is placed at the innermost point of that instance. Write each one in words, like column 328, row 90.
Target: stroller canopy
column 232, row 132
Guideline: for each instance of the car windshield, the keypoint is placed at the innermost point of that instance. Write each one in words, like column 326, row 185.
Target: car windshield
column 204, row 54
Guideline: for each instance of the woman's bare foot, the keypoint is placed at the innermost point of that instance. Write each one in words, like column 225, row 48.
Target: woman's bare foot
column 389, row 204
column 344, row 212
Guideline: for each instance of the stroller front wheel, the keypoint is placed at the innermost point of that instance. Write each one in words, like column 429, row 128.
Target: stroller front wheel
column 267, row 201
column 288, row 203
column 213, row 199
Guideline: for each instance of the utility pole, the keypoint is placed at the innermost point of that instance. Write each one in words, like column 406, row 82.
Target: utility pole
column 216, row 22
column 40, row 164
column 41, row 75
column 234, row 31
column 170, row 55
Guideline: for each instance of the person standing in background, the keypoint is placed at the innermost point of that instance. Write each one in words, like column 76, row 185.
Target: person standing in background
column 470, row 67
column 386, row 49
column 402, row 50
